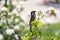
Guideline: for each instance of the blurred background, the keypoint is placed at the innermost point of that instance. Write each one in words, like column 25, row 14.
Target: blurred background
column 35, row 5
column 43, row 5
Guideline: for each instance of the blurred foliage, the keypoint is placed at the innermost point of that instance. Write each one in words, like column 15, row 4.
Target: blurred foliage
column 47, row 32
column 9, row 6
column 8, row 21
column 51, row 31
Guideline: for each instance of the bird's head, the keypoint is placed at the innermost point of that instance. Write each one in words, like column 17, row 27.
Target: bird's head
column 33, row 13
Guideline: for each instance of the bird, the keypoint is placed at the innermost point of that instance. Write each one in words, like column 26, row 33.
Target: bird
column 32, row 18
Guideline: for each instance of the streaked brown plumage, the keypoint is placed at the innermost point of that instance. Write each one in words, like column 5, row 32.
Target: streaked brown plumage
column 33, row 16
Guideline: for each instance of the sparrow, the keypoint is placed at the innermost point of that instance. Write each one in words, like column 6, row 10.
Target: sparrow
column 32, row 18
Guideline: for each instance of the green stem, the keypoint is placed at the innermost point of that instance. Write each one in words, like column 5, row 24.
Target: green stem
column 7, row 22
column 5, row 3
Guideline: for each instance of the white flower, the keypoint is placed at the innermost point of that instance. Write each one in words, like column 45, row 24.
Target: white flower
column 48, row 12
column 22, row 37
column 4, row 20
column 9, row 31
column 15, row 12
column 16, row 20
column 9, row 13
column 4, row 9
column 1, row 37
column 16, row 27
column 22, row 24
column 16, row 36
column 51, row 8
